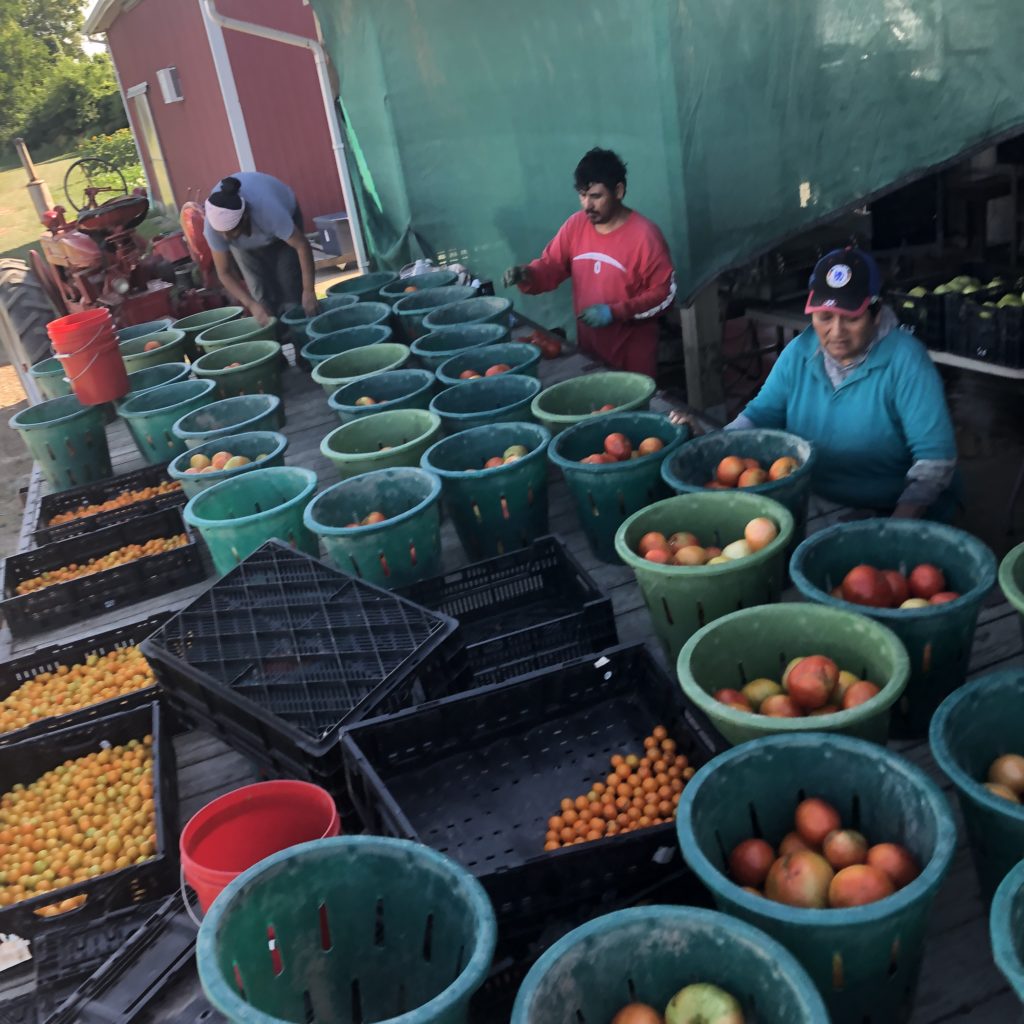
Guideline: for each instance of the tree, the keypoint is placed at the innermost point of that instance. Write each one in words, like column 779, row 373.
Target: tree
column 23, row 64
column 57, row 24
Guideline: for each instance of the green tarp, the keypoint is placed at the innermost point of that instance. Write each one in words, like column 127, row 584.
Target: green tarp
column 741, row 121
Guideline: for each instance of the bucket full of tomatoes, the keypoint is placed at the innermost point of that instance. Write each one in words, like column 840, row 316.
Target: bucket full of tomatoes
column 834, row 847
column 678, row 964
column 612, row 467
column 977, row 739
column 769, row 462
column 785, row 668
column 923, row 580
column 698, row 557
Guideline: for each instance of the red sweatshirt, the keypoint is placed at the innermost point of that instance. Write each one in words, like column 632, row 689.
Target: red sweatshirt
column 629, row 270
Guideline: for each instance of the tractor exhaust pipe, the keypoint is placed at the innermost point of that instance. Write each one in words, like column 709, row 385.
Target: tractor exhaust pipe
column 38, row 190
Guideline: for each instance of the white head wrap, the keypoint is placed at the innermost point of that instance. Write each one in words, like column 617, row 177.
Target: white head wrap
column 221, row 218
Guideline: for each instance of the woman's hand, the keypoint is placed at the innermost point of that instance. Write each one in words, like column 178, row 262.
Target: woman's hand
column 680, row 418
column 260, row 313
column 310, row 306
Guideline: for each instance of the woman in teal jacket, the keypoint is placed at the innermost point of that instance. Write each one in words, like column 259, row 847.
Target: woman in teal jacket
column 866, row 394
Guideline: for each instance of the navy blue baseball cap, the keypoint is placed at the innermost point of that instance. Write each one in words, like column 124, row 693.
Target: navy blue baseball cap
column 845, row 281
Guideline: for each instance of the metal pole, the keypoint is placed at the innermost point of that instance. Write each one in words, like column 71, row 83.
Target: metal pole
column 38, row 190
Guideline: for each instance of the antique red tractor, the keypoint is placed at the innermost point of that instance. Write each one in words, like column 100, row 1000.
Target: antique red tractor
column 98, row 259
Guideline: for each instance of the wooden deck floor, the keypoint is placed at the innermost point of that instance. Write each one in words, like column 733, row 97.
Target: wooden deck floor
column 959, row 982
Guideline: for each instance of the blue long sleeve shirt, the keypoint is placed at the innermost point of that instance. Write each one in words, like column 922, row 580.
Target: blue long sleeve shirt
column 889, row 413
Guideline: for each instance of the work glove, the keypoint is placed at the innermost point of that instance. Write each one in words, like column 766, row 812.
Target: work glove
column 599, row 315
column 514, row 275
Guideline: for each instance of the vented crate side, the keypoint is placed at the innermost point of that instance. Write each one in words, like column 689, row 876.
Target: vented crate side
column 543, row 646
column 138, row 883
column 151, row 959
column 102, row 591
column 16, row 673
column 94, row 494
column 477, row 776
column 287, row 652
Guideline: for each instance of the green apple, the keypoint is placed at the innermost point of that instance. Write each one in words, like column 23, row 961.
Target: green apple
column 703, row 1004
column 737, row 549
column 915, row 602
column 517, row 450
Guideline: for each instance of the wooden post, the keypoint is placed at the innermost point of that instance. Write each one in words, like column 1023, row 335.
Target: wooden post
column 702, row 349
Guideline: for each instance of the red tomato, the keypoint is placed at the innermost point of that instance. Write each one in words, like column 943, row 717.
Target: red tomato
column 864, row 584
column 898, row 585
column 749, row 862
column 926, row 581
column 618, row 446
column 814, row 819
column 943, row 596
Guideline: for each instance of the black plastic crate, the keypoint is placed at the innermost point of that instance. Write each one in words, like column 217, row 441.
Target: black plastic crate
column 15, row 673
column 478, row 776
column 283, row 652
column 522, row 612
column 924, row 316
column 77, row 599
column 97, row 493
column 152, row 959
column 138, row 883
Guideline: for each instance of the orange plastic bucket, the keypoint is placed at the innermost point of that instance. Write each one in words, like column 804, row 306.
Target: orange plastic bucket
column 86, row 345
column 241, row 828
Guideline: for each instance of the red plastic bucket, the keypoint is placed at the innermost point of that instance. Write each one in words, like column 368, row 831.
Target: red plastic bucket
column 86, row 345
column 241, row 828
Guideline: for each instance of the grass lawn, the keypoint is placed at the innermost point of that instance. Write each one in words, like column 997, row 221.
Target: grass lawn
column 19, row 225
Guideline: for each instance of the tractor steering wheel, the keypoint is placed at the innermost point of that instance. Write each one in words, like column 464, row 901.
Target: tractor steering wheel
column 89, row 177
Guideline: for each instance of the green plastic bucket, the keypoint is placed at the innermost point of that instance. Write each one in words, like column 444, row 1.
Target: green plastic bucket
column 67, row 439
column 410, row 310
column 366, row 928
column 327, row 345
column 359, row 314
column 494, row 510
column 694, row 465
column 520, row 357
column 381, row 441
column 864, row 960
column 154, row 377
column 1011, row 580
column 1006, row 927
column 246, row 328
column 564, row 404
column 237, row 516
column 152, row 414
column 937, row 638
column 682, row 599
column 172, row 345
column 329, row 302
column 481, row 309
column 394, row 389
column 238, row 415
column 400, row 287
column 295, row 322
column 605, row 494
column 258, row 374
column 364, row 361
column 49, row 377
column 195, row 324
column 404, row 548
column 758, row 643
column 144, row 330
column 973, row 726
column 268, row 443
column 502, row 399
column 439, row 346
column 365, row 287
column 647, row 954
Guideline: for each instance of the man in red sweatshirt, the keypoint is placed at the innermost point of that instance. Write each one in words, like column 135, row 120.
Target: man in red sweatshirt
column 621, row 270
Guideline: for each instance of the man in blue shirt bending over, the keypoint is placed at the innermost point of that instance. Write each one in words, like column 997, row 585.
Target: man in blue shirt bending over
column 253, row 222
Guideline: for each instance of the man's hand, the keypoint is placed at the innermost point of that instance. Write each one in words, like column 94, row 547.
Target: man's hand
column 260, row 313
column 514, row 275
column 597, row 316
column 310, row 306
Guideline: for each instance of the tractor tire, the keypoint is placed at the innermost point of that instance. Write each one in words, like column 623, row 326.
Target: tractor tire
column 24, row 313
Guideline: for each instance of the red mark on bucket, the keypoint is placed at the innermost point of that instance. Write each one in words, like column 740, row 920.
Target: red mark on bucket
column 275, row 954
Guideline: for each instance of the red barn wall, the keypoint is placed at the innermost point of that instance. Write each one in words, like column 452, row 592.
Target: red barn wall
column 284, row 110
column 194, row 134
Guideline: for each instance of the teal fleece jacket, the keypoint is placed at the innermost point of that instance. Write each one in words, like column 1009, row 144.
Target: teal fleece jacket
column 890, row 412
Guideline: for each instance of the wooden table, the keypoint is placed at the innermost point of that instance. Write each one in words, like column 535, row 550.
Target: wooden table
column 959, row 982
